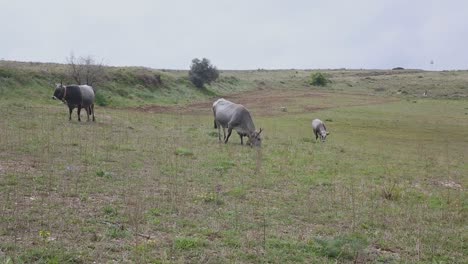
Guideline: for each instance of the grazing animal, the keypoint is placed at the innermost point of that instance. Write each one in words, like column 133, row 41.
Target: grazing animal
column 235, row 116
column 214, row 104
column 79, row 96
column 319, row 129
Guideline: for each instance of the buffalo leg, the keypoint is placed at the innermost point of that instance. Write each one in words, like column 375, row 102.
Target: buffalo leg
column 70, row 109
column 79, row 112
column 88, row 112
column 92, row 111
column 228, row 135
column 242, row 140
column 316, row 136
column 219, row 132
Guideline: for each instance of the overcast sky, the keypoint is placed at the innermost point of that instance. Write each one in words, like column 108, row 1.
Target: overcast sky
column 240, row 34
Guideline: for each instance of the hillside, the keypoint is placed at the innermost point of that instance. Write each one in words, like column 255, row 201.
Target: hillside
column 137, row 86
column 149, row 181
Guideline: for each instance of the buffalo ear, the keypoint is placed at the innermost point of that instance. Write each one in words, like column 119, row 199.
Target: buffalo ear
column 328, row 133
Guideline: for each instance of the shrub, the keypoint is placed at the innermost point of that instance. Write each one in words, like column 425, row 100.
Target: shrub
column 101, row 100
column 318, row 79
column 202, row 72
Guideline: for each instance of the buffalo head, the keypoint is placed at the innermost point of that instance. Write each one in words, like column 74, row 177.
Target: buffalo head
column 255, row 139
column 59, row 93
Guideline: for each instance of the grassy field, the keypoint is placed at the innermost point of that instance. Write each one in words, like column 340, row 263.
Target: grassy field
column 153, row 185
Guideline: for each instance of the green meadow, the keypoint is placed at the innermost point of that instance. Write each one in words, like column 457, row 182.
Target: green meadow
column 148, row 182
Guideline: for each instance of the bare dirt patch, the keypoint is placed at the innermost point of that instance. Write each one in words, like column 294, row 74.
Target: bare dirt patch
column 450, row 185
column 266, row 102
column 25, row 165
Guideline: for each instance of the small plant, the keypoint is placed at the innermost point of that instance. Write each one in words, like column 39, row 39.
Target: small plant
column 103, row 174
column 44, row 235
column 110, row 211
column 319, row 79
column 224, row 165
column 239, row 192
column 117, row 232
column 392, row 193
column 210, row 197
column 183, row 152
column 187, row 243
column 213, row 134
column 153, row 216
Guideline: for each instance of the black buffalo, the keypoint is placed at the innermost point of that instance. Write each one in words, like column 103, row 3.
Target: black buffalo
column 79, row 96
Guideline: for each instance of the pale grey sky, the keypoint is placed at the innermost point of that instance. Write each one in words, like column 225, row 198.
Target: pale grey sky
column 240, row 34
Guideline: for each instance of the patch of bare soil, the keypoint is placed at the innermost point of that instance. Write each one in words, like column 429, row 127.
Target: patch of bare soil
column 263, row 102
column 450, row 185
column 374, row 252
column 25, row 165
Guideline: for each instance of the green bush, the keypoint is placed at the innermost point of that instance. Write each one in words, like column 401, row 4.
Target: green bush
column 202, row 72
column 101, row 100
column 319, row 79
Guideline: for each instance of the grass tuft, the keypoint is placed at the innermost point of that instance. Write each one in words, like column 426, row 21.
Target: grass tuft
column 343, row 247
column 188, row 243
column 391, row 192
column 183, row 152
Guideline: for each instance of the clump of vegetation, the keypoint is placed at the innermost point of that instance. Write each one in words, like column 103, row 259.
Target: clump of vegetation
column 117, row 232
column 103, row 174
column 187, row 243
column 224, row 165
column 391, row 192
column 319, row 79
column 202, row 72
column 210, row 197
column 183, row 152
column 45, row 254
column 213, row 133
column 343, row 247
column 101, row 100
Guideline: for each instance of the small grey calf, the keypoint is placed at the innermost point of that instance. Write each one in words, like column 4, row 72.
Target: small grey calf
column 319, row 129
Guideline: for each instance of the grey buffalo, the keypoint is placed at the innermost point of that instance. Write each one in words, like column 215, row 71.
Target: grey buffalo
column 76, row 96
column 319, row 129
column 235, row 116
